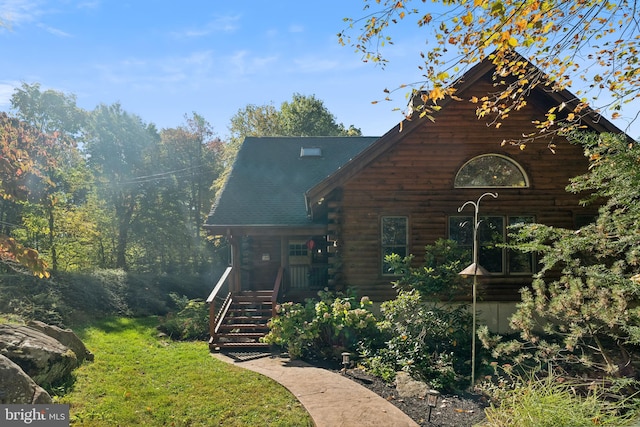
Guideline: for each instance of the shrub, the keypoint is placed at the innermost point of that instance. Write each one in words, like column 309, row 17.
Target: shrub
column 75, row 297
column 191, row 322
column 438, row 277
column 324, row 328
column 581, row 312
column 429, row 341
column 424, row 336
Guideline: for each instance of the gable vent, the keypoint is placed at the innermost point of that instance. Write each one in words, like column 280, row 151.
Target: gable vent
column 311, row 152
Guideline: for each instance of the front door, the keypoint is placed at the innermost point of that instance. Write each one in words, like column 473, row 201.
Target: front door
column 307, row 264
column 260, row 261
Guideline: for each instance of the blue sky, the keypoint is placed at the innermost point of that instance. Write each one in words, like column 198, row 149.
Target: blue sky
column 163, row 59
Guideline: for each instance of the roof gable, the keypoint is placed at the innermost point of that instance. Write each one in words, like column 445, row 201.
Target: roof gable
column 465, row 83
column 270, row 176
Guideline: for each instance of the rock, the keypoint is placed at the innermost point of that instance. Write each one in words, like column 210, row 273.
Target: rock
column 360, row 375
column 408, row 387
column 45, row 359
column 16, row 387
column 66, row 337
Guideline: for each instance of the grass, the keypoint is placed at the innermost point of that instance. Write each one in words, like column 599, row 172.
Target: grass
column 549, row 403
column 140, row 379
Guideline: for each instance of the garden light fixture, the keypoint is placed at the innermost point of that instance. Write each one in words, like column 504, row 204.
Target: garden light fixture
column 432, row 401
column 346, row 360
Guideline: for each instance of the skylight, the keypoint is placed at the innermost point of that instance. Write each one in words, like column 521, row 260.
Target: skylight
column 310, row 152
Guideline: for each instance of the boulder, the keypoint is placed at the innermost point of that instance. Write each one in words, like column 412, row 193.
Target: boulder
column 16, row 387
column 66, row 337
column 408, row 387
column 45, row 359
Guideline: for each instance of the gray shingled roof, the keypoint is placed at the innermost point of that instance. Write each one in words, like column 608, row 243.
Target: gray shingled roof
column 269, row 178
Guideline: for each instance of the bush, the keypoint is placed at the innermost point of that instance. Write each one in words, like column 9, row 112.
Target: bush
column 582, row 308
column 424, row 336
column 191, row 322
column 322, row 329
column 429, row 341
column 438, row 278
column 69, row 298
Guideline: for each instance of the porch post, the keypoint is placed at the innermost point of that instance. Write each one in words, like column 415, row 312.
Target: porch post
column 234, row 283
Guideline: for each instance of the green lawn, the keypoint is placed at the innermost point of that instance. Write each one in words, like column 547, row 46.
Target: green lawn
column 140, row 379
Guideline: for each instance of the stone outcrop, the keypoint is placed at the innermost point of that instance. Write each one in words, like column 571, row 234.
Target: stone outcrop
column 16, row 387
column 45, row 359
column 66, row 337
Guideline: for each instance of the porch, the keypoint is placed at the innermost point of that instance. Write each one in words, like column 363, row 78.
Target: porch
column 239, row 312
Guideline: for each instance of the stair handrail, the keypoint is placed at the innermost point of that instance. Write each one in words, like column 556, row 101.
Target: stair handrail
column 223, row 313
column 212, row 304
column 218, row 286
column 276, row 291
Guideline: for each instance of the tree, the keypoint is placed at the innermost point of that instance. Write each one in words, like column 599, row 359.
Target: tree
column 56, row 114
column 187, row 162
column 597, row 40
column 118, row 148
column 24, row 151
column 303, row 116
column 585, row 295
column 49, row 111
column 308, row 116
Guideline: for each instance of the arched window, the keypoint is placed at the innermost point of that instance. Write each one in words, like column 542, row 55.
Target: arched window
column 491, row 170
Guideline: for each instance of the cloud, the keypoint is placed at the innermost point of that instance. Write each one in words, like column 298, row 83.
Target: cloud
column 224, row 24
column 244, row 64
column 54, row 31
column 91, row 4
column 16, row 12
column 6, row 90
column 165, row 73
column 296, row 29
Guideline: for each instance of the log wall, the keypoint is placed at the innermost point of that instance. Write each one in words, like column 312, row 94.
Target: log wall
column 414, row 178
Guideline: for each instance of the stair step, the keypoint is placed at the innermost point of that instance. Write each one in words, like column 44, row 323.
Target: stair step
column 245, row 322
column 231, row 326
column 249, row 312
column 261, row 292
column 243, row 345
column 259, row 317
column 245, row 301
column 235, row 335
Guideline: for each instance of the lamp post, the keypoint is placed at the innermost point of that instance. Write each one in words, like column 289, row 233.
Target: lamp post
column 346, row 360
column 475, row 270
column 432, row 401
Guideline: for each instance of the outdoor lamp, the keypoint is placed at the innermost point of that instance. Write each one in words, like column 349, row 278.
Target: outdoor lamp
column 432, row 401
column 346, row 359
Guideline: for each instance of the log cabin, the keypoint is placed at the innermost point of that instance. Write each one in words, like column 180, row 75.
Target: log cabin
column 308, row 213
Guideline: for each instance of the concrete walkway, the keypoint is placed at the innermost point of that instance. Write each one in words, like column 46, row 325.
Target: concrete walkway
column 331, row 399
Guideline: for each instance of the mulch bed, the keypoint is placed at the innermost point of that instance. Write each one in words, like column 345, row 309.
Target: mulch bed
column 463, row 410
column 451, row 410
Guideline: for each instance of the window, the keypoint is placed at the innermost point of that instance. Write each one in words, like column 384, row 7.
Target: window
column 492, row 233
column 493, row 171
column 394, row 231
column 298, row 249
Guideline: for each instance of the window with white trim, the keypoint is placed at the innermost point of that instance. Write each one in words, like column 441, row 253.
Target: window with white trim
column 394, row 232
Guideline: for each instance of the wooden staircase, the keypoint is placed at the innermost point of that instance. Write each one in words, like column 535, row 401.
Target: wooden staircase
column 242, row 321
